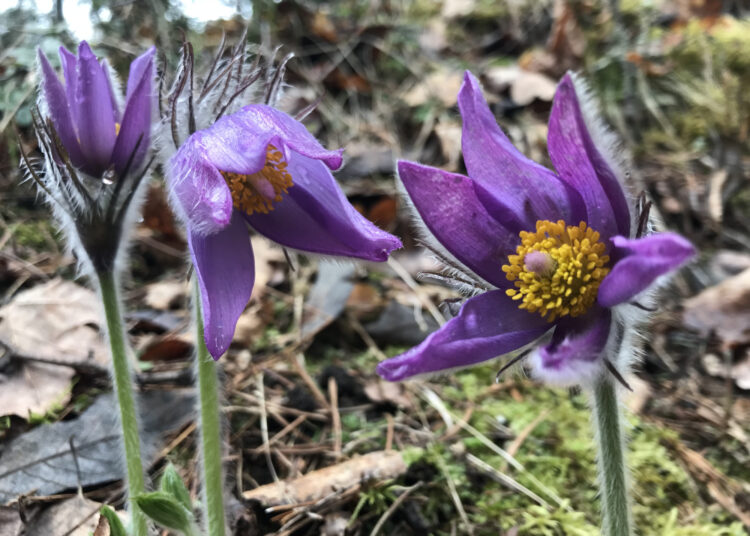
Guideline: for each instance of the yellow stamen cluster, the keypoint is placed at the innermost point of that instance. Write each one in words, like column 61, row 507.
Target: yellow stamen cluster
column 257, row 192
column 577, row 265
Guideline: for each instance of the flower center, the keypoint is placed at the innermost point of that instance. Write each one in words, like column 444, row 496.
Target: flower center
column 557, row 269
column 257, row 192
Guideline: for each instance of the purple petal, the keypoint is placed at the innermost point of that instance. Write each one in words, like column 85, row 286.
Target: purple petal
column 581, row 165
column 315, row 216
column 260, row 118
column 574, row 355
column 449, row 206
column 530, row 192
column 238, row 143
column 115, row 106
column 59, row 110
column 225, row 269
column 138, row 68
column 198, row 191
column 136, row 121
column 70, row 72
column 487, row 326
column 96, row 111
column 644, row 259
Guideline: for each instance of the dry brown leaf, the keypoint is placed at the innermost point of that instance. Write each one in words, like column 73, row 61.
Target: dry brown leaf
column 457, row 8
column 164, row 295
column 379, row 391
column 529, row 86
column 57, row 321
column 322, row 26
column 168, row 348
column 250, row 325
column 723, row 309
column 364, row 300
column 449, row 135
column 102, row 527
column 637, row 399
column 433, row 37
column 501, row 77
column 441, row 84
column 74, row 517
column 268, row 259
column 10, row 522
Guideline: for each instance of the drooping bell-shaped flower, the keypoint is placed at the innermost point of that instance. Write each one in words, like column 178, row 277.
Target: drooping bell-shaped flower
column 260, row 169
column 556, row 254
column 95, row 145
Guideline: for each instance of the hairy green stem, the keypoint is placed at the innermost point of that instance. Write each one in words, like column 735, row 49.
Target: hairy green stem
column 125, row 400
column 613, row 480
column 210, row 428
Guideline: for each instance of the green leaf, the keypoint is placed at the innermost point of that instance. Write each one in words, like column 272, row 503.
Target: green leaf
column 172, row 484
column 116, row 528
column 167, row 511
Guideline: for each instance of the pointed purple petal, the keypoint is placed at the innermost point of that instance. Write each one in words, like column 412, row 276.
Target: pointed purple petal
column 96, row 111
column 59, row 110
column 488, row 325
column 644, row 259
column 315, row 216
column 70, row 72
column 225, row 269
column 136, row 121
column 449, row 207
column 108, row 75
column 574, row 355
column 139, row 66
column 530, row 192
column 580, row 164
column 197, row 189
column 238, row 143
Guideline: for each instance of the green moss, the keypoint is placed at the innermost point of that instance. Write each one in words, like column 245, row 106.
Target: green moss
column 36, row 234
column 559, row 452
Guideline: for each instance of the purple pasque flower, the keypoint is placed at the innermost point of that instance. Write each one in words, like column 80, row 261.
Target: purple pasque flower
column 98, row 132
column 260, row 168
column 553, row 252
column 94, row 151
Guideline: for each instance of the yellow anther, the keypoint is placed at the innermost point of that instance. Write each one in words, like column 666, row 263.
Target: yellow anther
column 257, row 192
column 557, row 269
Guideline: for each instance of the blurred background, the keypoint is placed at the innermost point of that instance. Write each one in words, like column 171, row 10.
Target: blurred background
column 472, row 456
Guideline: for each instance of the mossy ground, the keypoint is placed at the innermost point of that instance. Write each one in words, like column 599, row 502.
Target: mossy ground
column 559, row 452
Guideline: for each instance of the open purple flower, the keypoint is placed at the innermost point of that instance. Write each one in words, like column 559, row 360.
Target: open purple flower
column 259, row 167
column 97, row 133
column 553, row 251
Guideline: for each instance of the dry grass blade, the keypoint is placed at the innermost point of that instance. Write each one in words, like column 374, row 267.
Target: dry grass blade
column 264, row 427
column 512, row 461
column 505, row 480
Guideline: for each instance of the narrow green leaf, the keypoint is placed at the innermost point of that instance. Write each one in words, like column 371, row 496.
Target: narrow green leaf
column 172, row 484
column 165, row 510
column 116, row 528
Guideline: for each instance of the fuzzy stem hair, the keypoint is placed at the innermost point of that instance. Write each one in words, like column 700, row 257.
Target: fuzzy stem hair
column 122, row 380
column 613, row 480
column 210, row 428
